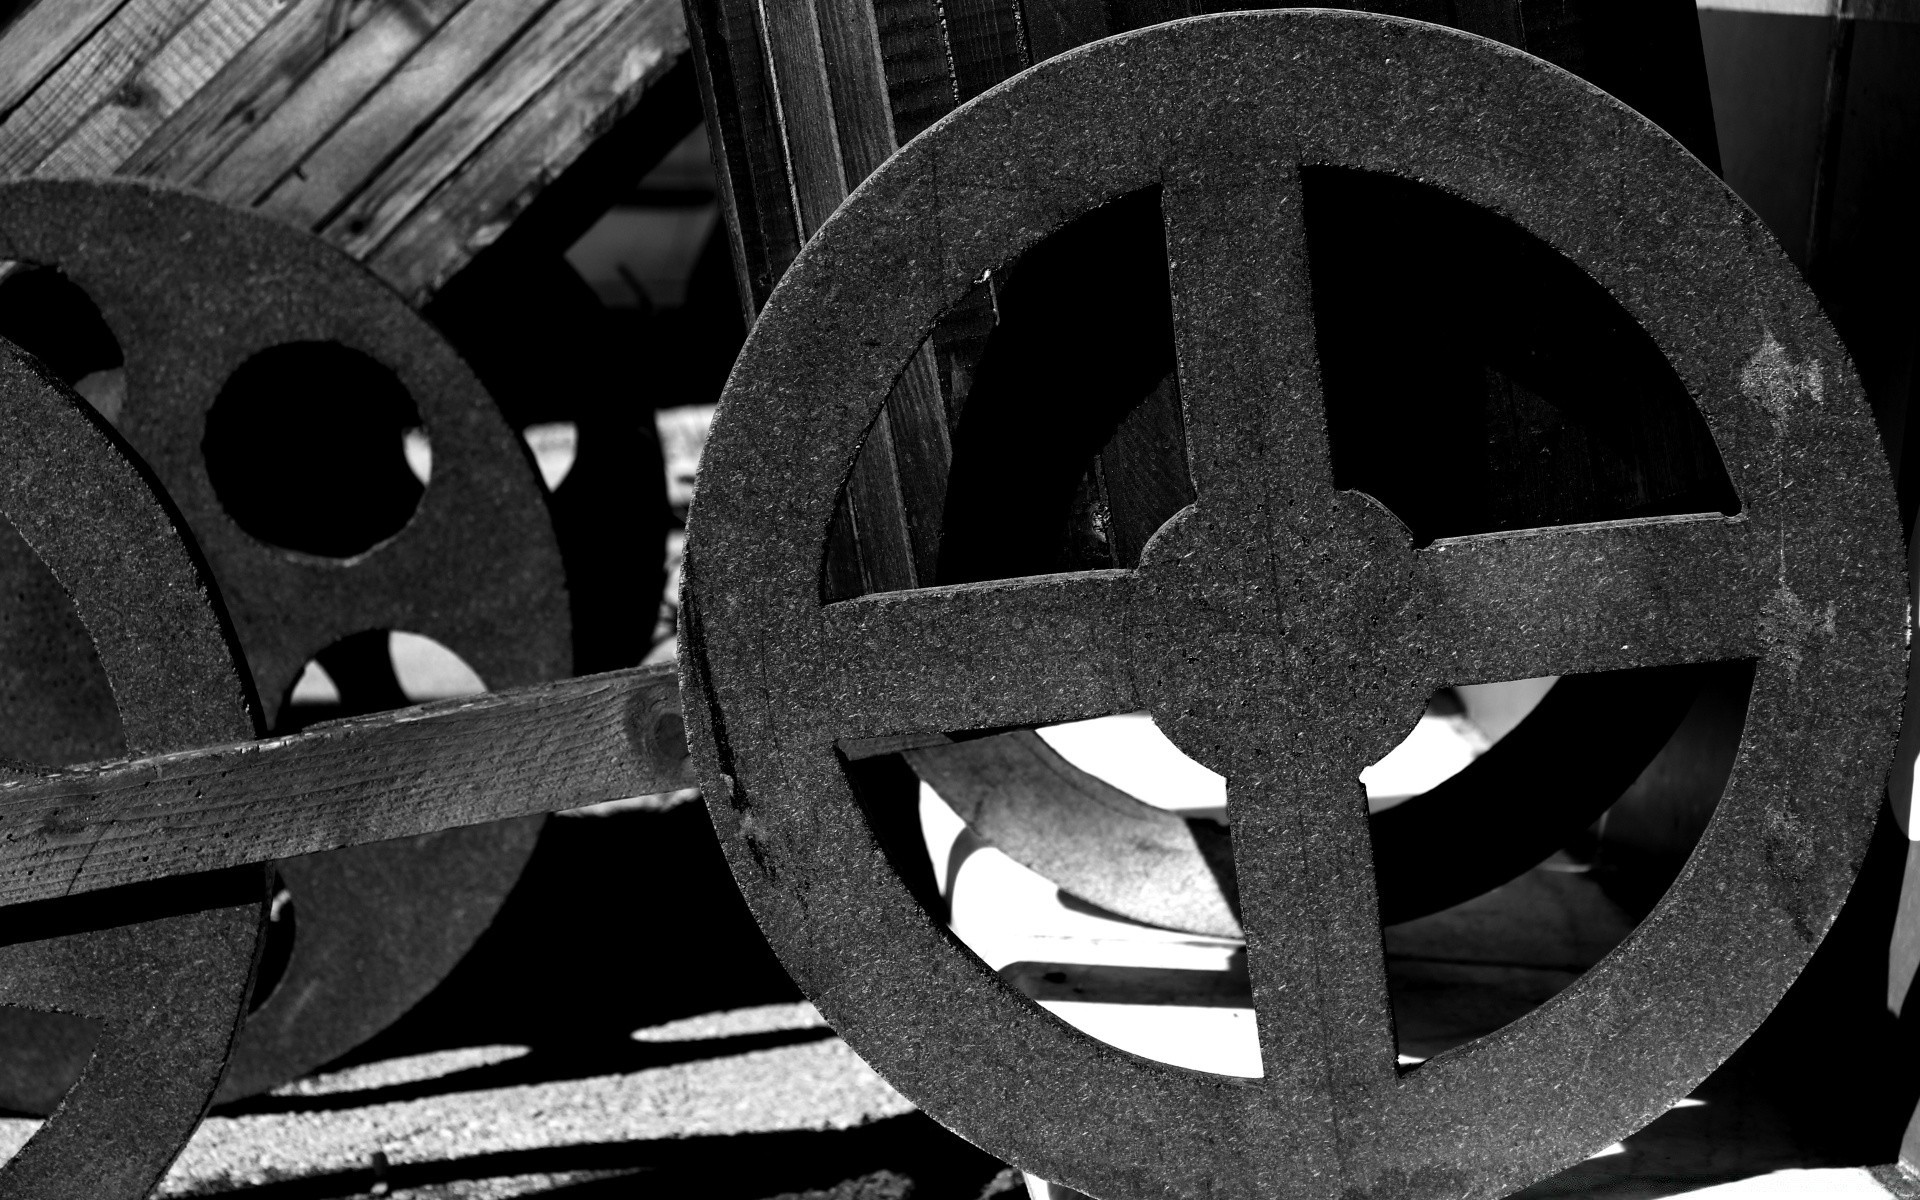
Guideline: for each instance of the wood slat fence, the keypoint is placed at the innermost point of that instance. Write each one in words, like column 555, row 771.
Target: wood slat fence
column 410, row 133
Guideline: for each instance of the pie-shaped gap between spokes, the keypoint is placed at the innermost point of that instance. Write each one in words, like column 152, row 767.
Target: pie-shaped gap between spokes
column 1090, row 864
column 1477, row 381
column 1037, row 430
column 1503, row 884
column 1520, row 831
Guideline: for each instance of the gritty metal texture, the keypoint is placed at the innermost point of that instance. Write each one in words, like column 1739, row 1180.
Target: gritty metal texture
column 192, row 290
column 1286, row 634
column 163, row 995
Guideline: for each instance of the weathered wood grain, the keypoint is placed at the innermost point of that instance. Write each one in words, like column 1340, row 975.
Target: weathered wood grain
column 913, row 45
column 41, row 39
column 96, row 70
column 736, row 90
column 986, row 42
column 334, row 170
column 476, row 205
column 396, row 774
column 850, row 57
column 836, row 124
column 879, row 515
column 550, row 47
column 253, row 83
column 166, row 81
column 923, row 456
column 319, row 103
column 815, row 171
column 1144, row 468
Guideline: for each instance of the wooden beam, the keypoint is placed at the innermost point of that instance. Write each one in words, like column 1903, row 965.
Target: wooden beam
column 91, row 75
column 476, row 205
column 396, row 774
column 388, row 119
column 550, row 47
column 322, row 101
column 159, row 87
column 43, row 38
column 245, row 92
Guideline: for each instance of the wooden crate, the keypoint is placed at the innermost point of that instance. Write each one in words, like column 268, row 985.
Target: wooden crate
column 410, row 133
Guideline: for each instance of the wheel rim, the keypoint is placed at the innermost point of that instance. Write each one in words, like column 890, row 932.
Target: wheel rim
column 1807, row 581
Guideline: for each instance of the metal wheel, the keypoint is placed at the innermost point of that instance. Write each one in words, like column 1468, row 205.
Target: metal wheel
column 197, row 294
column 1285, row 633
column 162, row 997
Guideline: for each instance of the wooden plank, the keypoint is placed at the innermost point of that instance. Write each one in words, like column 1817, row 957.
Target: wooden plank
column 1057, row 26
column 736, row 90
column 987, row 43
column 320, row 102
column 334, row 170
column 164, row 83
column 879, row 520
column 915, row 430
column 41, row 39
column 923, row 456
column 805, row 106
column 913, row 46
column 1500, row 20
column 562, row 34
column 1144, row 466
column 207, row 127
column 717, row 63
column 475, row 206
column 396, row 774
column 1123, row 15
column 92, row 74
column 850, row 58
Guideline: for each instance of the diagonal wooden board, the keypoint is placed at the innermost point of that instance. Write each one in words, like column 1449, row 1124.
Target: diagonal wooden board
column 410, row 133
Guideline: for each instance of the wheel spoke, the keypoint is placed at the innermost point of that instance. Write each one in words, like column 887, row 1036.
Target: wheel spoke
column 1304, row 865
column 979, row 655
column 1592, row 598
column 1244, row 332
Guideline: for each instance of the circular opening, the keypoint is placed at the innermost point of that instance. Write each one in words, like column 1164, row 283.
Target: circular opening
column 316, row 447
column 52, row 318
column 373, row 672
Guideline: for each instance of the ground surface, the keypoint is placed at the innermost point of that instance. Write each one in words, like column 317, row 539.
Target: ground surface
column 623, row 1031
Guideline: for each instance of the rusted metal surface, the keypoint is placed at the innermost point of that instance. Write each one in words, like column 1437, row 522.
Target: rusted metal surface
column 160, row 972
column 1284, row 633
column 197, row 294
